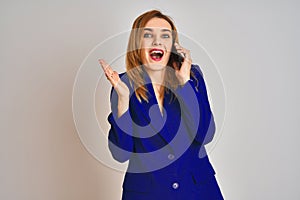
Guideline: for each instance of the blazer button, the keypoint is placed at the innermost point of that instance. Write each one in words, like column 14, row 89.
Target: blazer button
column 175, row 185
column 171, row 156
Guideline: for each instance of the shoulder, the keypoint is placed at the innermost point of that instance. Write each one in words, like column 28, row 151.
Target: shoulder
column 197, row 78
column 123, row 75
column 196, row 71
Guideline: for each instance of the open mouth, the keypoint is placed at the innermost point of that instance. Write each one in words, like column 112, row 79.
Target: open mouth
column 156, row 54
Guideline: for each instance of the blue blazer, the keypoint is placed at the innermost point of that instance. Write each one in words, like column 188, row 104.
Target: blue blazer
column 166, row 153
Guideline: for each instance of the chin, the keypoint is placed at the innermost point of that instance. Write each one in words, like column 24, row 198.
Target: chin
column 155, row 66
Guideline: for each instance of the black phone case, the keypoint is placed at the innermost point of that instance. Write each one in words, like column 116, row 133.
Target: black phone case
column 176, row 57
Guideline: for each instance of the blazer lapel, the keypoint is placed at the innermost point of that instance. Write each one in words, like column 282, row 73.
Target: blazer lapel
column 151, row 115
column 171, row 118
column 148, row 113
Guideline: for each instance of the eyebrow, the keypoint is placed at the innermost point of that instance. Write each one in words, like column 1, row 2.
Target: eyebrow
column 162, row 30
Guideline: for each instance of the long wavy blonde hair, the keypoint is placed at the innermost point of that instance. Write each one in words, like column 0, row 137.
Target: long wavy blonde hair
column 133, row 57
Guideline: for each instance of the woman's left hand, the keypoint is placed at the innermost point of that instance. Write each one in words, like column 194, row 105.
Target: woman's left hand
column 183, row 74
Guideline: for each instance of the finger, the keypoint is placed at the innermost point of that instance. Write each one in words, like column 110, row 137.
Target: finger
column 113, row 78
column 105, row 66
column 178, row 47
column 185, row 53
column 110, row 79
column 182, row 52
column 188, row 55
column 116, row 79
column 108, row 72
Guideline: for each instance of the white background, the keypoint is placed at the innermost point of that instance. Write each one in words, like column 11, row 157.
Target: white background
column 255, row 45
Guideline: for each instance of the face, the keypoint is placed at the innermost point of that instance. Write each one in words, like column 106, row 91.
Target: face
column 156, row 44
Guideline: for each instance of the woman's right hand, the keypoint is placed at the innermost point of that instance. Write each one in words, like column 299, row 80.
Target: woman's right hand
column 120, row 87
column 113, row 77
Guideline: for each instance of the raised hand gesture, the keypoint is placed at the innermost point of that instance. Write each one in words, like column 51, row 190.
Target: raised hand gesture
column 120, row 87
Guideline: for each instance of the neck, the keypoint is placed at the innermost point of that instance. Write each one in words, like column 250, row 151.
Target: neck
column 157, row 77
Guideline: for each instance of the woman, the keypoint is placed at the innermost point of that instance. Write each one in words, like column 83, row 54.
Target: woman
column 161, row 117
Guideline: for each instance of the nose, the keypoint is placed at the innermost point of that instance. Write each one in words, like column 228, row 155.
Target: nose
column 156, row 41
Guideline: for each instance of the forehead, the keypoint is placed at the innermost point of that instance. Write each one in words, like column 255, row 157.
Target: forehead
column 158, row 23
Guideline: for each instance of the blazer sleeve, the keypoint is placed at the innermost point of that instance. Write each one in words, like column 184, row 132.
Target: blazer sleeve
column 196, row 111
column 120, row 139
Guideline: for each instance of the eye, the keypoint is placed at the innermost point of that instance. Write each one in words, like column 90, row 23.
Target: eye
column 166, row 36
column 147, row 35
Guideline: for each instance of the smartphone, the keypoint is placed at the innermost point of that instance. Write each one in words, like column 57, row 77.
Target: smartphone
column 176, row 57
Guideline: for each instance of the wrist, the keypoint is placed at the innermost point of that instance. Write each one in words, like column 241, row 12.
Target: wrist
column 123, row 98
column 122, row 90
column 184, row 81
column 123, row 105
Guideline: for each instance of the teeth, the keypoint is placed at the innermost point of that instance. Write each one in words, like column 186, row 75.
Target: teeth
column 156, row 52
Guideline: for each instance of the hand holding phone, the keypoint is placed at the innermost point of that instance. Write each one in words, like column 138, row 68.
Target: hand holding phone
column 178, row 57
column 182, row 63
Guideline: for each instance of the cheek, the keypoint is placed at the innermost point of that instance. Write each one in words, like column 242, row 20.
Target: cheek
column 169, row 46
column 146, row 44
column 167, row 57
